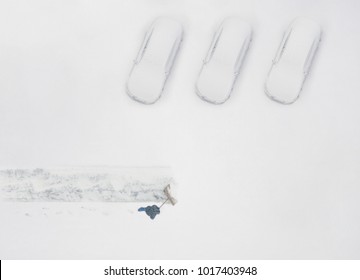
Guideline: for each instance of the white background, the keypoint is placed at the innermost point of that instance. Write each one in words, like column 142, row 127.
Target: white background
column 256, row 179
column 266, row 270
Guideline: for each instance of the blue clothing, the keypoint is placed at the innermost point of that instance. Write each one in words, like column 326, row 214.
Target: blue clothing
column 151, row 211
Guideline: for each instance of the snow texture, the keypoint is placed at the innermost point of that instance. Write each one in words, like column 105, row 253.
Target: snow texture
column 84, row 184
